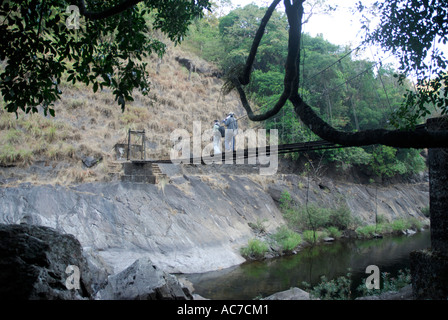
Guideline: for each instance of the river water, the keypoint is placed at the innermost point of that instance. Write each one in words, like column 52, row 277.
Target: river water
column 262, row 278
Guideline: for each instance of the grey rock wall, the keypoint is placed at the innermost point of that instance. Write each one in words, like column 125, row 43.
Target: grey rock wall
column 190, row 226
column 392, row 202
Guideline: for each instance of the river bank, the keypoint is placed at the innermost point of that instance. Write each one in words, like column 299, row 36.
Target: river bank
column 315, row 222
column 287, row 242
column 261, row 279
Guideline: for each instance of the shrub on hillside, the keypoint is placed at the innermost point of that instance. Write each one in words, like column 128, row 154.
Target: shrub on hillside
column 341, row 217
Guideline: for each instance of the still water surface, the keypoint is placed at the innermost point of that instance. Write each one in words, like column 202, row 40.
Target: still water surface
column 262, row 278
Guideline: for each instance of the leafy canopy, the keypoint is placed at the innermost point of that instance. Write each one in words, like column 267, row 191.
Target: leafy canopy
column 416, row 32
column 43, row 40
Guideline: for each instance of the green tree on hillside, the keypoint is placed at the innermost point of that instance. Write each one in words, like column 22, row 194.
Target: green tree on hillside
column 238, row 30
column 415, row 32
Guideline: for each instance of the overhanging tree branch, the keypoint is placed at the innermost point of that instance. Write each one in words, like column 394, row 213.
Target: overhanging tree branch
column 395, row 138
column 291, row 74
column 35, row 64
column 421, row 138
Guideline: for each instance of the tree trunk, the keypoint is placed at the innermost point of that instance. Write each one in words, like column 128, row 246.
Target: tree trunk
column 438, row 190
column 429, row 268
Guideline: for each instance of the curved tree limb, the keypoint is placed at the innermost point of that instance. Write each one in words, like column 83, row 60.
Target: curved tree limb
column 394, row 138
column 291, row 74
column 260, row 117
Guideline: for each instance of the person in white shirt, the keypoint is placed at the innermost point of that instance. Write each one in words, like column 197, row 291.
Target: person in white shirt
column 216, row 138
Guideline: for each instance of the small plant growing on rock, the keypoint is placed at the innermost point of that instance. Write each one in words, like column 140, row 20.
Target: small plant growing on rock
column 366, row 231
column 425, row 211
column 255, row 249
column 285, row 201
column 336, row 289
column 334, row 232
column 287, row 239
column 388, row 283
column 258, row 226
column 312, row 236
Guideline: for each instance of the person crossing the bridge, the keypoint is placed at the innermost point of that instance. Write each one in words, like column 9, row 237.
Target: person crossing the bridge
column 217, row 134
column 231, row 131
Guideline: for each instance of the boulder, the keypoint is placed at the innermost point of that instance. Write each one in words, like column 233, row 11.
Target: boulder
column 195, row 67
column 275, row 192
column 99, row 270
column 291, row 294
column 38, row 262
column 90, row 161
column 143, row 281
column 404, row 293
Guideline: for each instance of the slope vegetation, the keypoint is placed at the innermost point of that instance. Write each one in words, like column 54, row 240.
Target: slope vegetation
column 39, row 149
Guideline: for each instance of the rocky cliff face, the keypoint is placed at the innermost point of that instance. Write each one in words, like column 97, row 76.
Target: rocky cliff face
column 196, row 223
column 392, row 202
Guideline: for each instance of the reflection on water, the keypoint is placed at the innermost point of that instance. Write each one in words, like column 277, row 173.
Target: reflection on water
column 263, row 278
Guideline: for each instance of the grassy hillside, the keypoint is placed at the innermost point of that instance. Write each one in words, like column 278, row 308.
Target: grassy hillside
column 90, row 124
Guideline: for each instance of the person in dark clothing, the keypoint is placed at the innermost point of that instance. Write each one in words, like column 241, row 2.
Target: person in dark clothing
column 231, row 131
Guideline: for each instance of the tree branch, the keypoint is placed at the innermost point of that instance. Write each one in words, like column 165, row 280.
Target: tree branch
column 394, row 138
column 291, row 73
column 268, row 114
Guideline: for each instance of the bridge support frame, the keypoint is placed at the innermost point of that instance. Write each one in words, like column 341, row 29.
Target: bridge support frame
column 140, row 147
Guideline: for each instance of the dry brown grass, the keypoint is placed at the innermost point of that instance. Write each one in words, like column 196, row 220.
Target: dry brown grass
column 263, row 181
column 88, row 124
